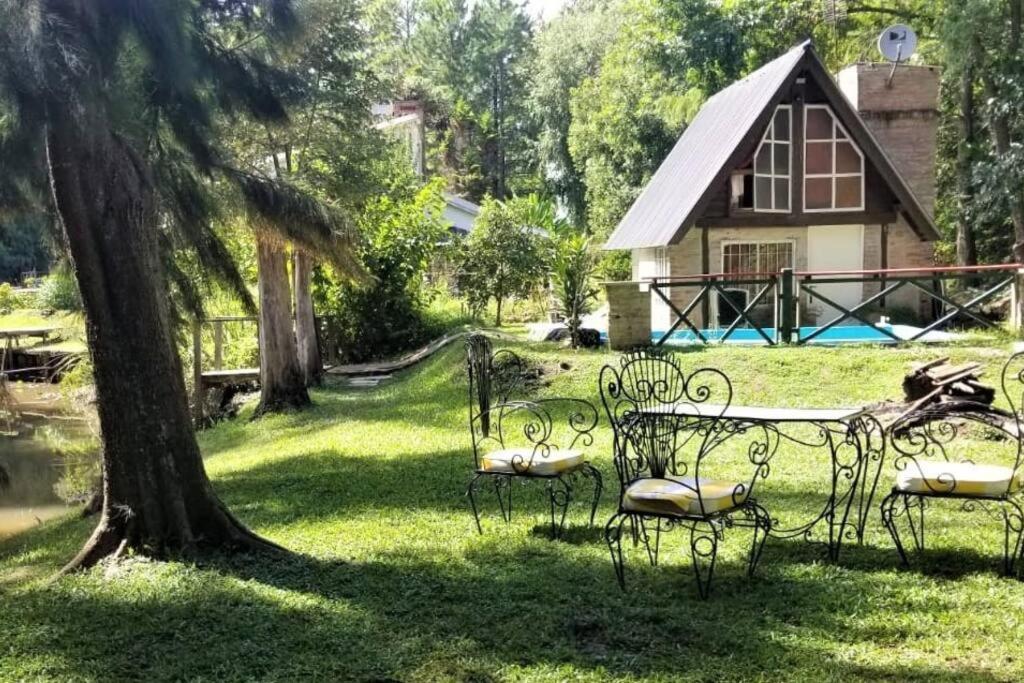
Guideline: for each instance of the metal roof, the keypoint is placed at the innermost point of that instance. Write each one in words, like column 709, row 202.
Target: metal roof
column 673, row 198
column 699, row 155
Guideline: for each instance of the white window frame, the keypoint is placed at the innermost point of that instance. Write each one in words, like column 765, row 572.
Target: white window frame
column 727, row 243
column 833, row 175
column 769, row 301
column 772, row 175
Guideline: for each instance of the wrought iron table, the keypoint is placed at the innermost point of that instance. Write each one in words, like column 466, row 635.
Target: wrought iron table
column 855, row 442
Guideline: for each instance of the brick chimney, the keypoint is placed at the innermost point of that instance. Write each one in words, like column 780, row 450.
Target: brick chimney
column 903, row 116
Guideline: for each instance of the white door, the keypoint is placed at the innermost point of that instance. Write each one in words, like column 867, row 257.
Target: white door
column 835, row 247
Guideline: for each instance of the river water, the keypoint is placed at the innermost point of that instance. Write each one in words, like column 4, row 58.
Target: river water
column 28, row 455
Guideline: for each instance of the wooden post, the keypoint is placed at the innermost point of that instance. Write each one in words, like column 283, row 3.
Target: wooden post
column 218, row 344
column 786, row 305
column 884, row 258
column 197, row 371
column 705, row 268
column 1017, row 302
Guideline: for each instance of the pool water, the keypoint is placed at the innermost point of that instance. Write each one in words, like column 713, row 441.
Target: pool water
column 841, row 334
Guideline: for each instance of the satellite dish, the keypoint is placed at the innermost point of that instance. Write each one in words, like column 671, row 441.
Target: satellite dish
column 897, row 43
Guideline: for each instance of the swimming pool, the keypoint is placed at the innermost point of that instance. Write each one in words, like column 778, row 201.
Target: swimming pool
column 841, row 334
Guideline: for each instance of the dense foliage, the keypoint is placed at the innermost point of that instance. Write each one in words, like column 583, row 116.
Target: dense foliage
column 506, row 255
column 23, row 249
column 403, row 233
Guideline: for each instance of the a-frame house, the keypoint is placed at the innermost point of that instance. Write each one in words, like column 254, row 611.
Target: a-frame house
column 788, row 168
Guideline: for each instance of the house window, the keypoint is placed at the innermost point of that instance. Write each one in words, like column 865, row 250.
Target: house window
column 743, row 258
column 833, row 165
column 772, row 164
column 756, row 257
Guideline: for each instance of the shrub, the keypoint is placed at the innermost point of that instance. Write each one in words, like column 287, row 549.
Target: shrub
column 8, row 299
column 403, row 232
column 506, row 255
column 573, row 275
column 59, row 292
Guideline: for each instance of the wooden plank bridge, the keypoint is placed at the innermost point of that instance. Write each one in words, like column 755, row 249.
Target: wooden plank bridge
column 219, row 377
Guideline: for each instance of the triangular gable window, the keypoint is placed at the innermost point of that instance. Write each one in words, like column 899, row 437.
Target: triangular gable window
column 772, row 164
column 833, row 164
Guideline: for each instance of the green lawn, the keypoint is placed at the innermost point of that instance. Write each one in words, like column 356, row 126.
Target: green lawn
column 390, row 580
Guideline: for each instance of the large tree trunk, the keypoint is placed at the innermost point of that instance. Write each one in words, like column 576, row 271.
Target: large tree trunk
column 282, row 385
column 305, row 321
column 156, row 496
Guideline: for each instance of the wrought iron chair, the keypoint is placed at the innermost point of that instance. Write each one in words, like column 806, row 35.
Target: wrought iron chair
column 667, row 426
column 928, row 469
column 516, row 439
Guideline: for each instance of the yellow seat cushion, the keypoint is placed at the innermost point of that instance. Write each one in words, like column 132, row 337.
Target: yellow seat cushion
column 525, row 461
column 678, row 496
column 958, row 479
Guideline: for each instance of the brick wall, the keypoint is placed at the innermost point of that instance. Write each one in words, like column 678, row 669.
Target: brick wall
column 903, row 118
column 629, row 315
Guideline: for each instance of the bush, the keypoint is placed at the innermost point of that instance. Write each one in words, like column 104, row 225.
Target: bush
column 59, row 292
column 506, row 255
column 8, row 299
column 402, row 231
column 573, row 274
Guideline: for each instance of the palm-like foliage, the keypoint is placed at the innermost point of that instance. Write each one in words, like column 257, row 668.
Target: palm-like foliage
column 172, row 70
column 110, row 118
column 572, row 273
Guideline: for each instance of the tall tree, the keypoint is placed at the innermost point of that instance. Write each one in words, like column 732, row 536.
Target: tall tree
column 306, row 337
column 114, row 106
column 469, row 60
column 568, row 50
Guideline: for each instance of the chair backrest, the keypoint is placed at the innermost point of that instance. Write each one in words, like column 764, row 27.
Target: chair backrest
column 494, row 377
column 667, row 423
column 931, row 433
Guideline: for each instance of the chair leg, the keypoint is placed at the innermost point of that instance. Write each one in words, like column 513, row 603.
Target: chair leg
column 703, row 550
column 613, row 537
column 595, row 476
column 762, row 527
column 916, row 529
column 1013, row 538
column 634, row 529
column 889, row 514
column 559, row 496
column 504, row 483
column 471, row 493
column 653, row 547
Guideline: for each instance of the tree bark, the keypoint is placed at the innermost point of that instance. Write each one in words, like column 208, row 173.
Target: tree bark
column 966, row 249
column 157, row 499
column 1000, row 125
column 282, row 385
column 1001, row 137
column 310, row 362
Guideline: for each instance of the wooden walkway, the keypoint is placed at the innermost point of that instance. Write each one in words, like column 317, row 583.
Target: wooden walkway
column 388, row 367
column 360, row 374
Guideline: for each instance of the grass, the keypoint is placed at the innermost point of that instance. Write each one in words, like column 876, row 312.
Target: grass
column 390, row 580
column 70, row 328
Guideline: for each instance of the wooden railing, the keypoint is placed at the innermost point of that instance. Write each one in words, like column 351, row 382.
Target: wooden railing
column 218, row 375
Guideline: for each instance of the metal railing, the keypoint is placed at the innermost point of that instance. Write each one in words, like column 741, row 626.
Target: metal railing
column 707, row 286
column 787, row 288
column 929, row 282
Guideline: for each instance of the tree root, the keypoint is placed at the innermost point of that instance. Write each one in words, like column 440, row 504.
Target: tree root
column 115, row 537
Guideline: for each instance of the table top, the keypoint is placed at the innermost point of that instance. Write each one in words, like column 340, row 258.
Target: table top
column 757, row 413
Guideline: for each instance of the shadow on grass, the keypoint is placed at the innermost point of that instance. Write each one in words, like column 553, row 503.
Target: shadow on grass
column 471, row 618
